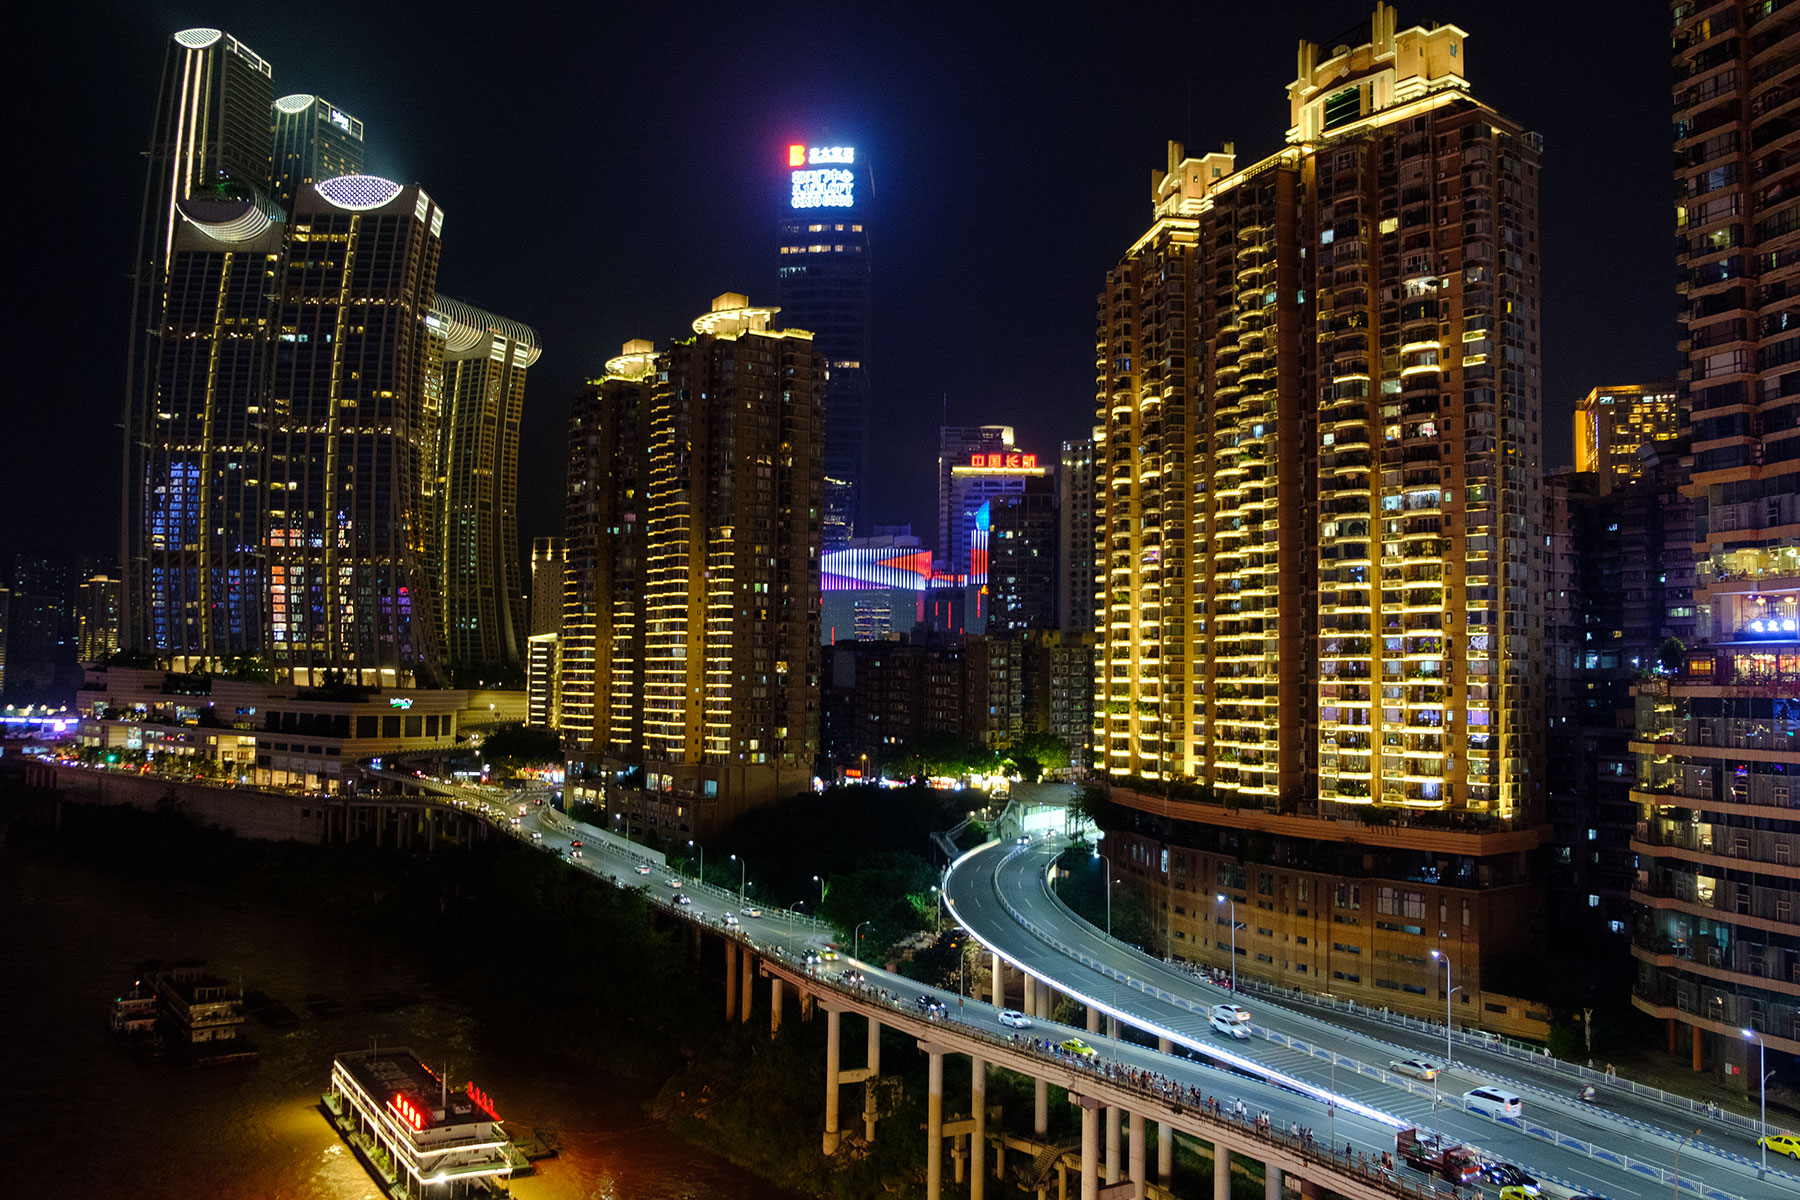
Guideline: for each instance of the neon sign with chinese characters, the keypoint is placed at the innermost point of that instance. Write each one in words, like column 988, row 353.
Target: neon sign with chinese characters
column 1004, row 462
column 821, row 177
column 409, row 1112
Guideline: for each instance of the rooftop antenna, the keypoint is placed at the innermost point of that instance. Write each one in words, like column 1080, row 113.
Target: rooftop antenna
column 444, row 1088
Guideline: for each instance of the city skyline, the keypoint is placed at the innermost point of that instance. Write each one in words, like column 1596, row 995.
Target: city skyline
column 941, row 214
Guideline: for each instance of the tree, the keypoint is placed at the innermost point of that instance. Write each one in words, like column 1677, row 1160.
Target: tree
column 1670, row 655
column 516, row 746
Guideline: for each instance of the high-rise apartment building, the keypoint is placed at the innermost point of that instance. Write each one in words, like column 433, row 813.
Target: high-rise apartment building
column 1075, row 556
column 97, row 619
column 548, row 562
column 5, row 624
column 823, row 272
column 1318, row 415
column 353, row 429
column 313, row 139
column 603, row 619
column 1718, row 922
column 712, row 449
column 1021, row 546
column 480, row 588
column 211, row 127
column 955, row 444
column 1612, row 424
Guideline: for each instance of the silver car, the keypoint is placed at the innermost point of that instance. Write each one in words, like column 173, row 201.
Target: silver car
column 1418, row 1068
column 1014, row 1018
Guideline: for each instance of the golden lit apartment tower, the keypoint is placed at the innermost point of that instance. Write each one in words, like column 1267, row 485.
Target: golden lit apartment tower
column 1317, row 500
column 602, row 651
column 481, row 593
column 732, row 601
column 1612, row 423
column 353, row 426
column 1717, row 895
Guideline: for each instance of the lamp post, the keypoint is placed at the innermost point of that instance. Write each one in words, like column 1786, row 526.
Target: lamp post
column 627, row 819
column 1762, row 1091
column 821, row 882
column 693, row 845
column 1108, row 863
column 856, row 942
column 1448, row 992
column 1684, row 1141
column 743, row 875
column 937, row 910
column 1234, row 929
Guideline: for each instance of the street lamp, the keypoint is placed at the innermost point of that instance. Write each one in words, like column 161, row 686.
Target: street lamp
column 743, row 874
column 627, row 819
column 1108, row 863
column 937, row 909
column 856, row 944
column 1684, row 1141
column 693, row 845
column 1234, row 929
column 821, row 882
column 1448, row 992
column 1762, row 1091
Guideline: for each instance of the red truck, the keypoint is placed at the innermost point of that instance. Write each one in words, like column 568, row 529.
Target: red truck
column 1434, row 1155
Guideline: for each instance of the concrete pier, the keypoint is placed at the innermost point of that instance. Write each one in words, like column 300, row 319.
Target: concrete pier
column 731, row 979
column 1221, row 1171
column 978, row 1137
column 774, row 1005
column 934, row 1126
column 1135, row 1166
column 833, row 1023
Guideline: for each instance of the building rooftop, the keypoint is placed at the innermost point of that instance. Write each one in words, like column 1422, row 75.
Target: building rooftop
column 398, row 1080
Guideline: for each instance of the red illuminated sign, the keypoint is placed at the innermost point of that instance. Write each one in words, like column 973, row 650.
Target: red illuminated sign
column 409, row 1112
column 1016, row 462
column 481, row 1100
column 796, row 156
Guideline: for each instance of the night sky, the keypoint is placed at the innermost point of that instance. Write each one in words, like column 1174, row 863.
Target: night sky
column 607, row 170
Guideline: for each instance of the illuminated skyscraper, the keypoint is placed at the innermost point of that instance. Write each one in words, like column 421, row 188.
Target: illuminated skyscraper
column 353, row 428
column 1318, row 503
column 197, row 493
column 480, row 590
column 1612, row 423
column 823, row 271
column 1717, row 940
column 314, row 139
column 603, row 620
column 694, row 573
column 211, row 126
column 955, row 444
column 97, row 619
column 980, row 477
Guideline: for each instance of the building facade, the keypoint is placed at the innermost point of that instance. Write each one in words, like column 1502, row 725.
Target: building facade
column 1318, row 440
column 1718, row 931
column 1021, row 545
column 313, row 140
column 1075, row 557
column 97, row 619
column 1613, row 424
column 823, row 277
column 979, row 478
column 955, row 445
column 702, row 517
column 211, row 125
column 354, row 411
column 480, row 588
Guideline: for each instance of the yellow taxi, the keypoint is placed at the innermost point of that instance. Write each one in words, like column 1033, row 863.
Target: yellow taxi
column 1781, row 1143
column 1079, row 1048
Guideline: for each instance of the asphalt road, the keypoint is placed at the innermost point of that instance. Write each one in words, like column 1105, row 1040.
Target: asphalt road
column 974, row 889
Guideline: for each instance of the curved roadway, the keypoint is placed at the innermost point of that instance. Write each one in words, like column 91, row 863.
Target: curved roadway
column 998, row 888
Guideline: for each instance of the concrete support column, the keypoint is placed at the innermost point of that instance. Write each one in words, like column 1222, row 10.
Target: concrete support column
column 1041, row 1110
column 731, row 979
column 749, row 978
column 1112, row 1143
column 999, row 982
column 1271, row 1182
column 1135, row 1140
column 871, row 1060
column 832, row 1022
column 695, row 931
column 774, row 1005
column 1093, row 1019
column 1029, row 1004
column 1221, row 1172
column 1164, row 1045
column 1090, row 1151
column 978, row 1136
column 934, row 1126
column 1165, row 1152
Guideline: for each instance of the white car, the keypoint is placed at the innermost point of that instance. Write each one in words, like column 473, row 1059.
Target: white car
column 672, row 882
column 1014, row 1018
column 1231, row 1029
column 536, row 836
column 643, row 869
column 731, row 921
column 1231, row 1012
column 1418, row 1068
column 752, row 911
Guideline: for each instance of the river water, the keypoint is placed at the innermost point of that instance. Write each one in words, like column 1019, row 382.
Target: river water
column 91, row 1121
